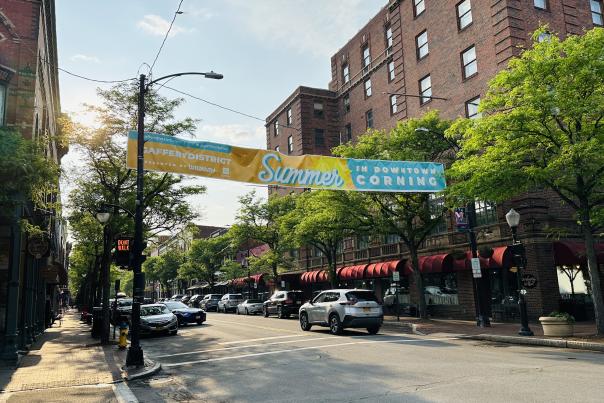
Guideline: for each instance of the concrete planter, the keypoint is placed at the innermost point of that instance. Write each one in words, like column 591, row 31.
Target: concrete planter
column 557, row 327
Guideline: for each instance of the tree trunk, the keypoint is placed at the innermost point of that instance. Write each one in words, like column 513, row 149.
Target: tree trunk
column 331, row 265
column 594, row 275
column 419, row 284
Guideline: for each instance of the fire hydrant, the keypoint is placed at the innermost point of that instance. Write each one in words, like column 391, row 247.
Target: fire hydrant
column 123, row 340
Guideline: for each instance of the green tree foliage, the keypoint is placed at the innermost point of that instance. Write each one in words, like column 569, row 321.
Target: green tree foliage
column 412, row 216
column 543, row 125
column 206, row 257
column 165, row 267
column 259, row 220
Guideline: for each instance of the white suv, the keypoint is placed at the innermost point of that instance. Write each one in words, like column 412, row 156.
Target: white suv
column 229, row 302
column 340, row 309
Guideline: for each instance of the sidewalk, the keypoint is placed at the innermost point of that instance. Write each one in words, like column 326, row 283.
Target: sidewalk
column 65, row 364
column 584, row 335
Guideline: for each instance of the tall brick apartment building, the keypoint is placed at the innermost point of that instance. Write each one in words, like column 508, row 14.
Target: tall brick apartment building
column 30, row 105
column 414, row 56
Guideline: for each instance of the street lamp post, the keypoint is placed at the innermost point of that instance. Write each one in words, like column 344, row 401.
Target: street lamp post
column 103, row 217
column 513, row 219
column 134, row 356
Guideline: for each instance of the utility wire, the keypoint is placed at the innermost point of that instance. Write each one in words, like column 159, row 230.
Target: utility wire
column 165, row 37
column 84, row 77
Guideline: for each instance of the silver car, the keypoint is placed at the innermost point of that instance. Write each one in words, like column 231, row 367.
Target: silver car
column 157, row 318
column 229, row 302
column 340, row 309
column 250, row 306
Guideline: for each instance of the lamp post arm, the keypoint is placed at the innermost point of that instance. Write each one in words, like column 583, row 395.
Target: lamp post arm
column 211, row 74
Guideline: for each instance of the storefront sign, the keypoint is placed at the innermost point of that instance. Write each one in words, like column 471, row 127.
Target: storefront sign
column 476, row 272
column 213, row 160
column 529, row 281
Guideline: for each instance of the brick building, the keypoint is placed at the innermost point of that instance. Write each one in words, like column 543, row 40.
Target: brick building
column 417, row 55
column 30, row 105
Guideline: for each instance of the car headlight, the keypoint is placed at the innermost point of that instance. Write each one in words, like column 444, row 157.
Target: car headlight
column 173, row 319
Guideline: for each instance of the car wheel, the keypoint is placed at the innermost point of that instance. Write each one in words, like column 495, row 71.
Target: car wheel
column 335, row 326
column 304, row 324
column 247, row 312
column 280, row 314
column 200, row 322
column 174, row 333
column 265, row 312
column 237, row 309
column 373, row 329
column 180, row 320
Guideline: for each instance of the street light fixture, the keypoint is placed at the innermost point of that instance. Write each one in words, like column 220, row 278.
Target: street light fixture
column 103, row 216
column 513, row 220
column 134, row 356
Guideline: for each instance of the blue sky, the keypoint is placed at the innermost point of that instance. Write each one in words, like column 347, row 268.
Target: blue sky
column 264, row 48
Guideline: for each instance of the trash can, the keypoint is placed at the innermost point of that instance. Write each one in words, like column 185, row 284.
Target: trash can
column 97, row 322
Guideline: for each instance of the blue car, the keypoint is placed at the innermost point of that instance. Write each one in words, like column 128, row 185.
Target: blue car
column 185, row 314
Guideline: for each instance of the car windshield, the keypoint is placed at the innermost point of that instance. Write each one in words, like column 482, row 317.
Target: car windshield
column 297, row 295
column 175, row 305
column 236, row 296
column 361, row 296
column 216, row 297
column 154, row 310
column 253, row 301
column 124, row 302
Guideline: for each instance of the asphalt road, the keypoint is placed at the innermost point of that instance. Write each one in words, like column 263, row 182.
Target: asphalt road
column 254, row 359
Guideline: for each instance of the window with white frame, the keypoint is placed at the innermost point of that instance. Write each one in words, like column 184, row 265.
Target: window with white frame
column 486, row 212
column 346, row 102
column 318, row 109
column 541, row 4
column 421, row 45
column 290, row 145
column 345, row 73
column 425, row 90
column 472, row 108
column 419, row 6
column 596, row 12
column 393, row 105
column 367, row 88
column 369, row 119
column 289, row 117
column 276, row 124
column 464, row 14
column 437, row 212
column 468, row 61
column 391, row 70
column 388, row 37
column 366, row 58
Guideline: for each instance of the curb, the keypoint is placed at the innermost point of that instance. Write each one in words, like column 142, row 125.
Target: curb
column 412, row 327
column 559, row 343
column 150, row 368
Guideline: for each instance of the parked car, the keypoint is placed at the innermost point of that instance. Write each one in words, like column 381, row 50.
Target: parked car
column 210, row 302
column 195, row 300
column 283, row 304
column 340, row 309
column 185, row 314
column 157, row 318
column 229, row 302
column 248, row 306
column 176, row 297
column 185, row 299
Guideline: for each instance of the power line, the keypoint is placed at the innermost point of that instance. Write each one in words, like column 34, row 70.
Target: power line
column 84, row 77
column 165, row 37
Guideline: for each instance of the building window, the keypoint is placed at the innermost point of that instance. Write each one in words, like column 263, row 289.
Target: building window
column 596, row 12
column 345, row 73
column 362, row 241
column 464, row 14
column 318, row 110
column 2, row 104
column 425, row 90
column 369, row 119
column 544, row 36
column 486, row 213
column 388, row 40
column 367, row 88
column 390, row 71
column 421, row 44
column 290, row 145
column 366, row 58
column 419, row 6
column 393, row 105
column 472, row 108
column 346, row 103
column 319, row 137
column 348, row 132
column 437, row 211
column 392, row 238
column 277, row 149
column 541, row 4
column 289, row 117
column 276, row 128
column 468, row 61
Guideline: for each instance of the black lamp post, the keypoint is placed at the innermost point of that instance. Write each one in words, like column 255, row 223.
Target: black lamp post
column 103, row 217
column 513, row 219
column 134, row 356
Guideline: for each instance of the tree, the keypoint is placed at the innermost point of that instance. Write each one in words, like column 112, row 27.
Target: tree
column 165, row 267
column 205, row 258
column 323, row 219
column 412, row 216
column 543, row 125
column 258, row 220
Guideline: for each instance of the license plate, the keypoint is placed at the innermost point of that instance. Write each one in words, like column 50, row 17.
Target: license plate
column 366, row 309
column 198, row 317
column 298, row 302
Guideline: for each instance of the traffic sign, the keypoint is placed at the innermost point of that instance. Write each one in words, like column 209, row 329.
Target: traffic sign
column 396, row 276
column 476, row 272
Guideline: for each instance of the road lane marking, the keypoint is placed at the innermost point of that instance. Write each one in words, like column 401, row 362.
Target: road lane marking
column 263, row 338
column 256, row 326
column 236, row 357
column 248, row 346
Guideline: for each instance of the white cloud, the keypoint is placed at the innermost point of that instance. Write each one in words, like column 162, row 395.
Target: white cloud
column 84, row 58
column 156, row 25
column 317, row 27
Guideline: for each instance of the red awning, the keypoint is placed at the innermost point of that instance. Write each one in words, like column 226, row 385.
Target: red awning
column 436, row 263
column 501, row 258
column 317, row 276
column 257, row 278
column 385, row 269
column 352, row 272
column 570, row 253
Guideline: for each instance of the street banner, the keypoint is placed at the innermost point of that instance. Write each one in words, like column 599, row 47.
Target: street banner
column 264, row 167
column 461, row 219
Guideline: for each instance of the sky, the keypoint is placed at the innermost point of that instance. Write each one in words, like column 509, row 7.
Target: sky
column 264, row 48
